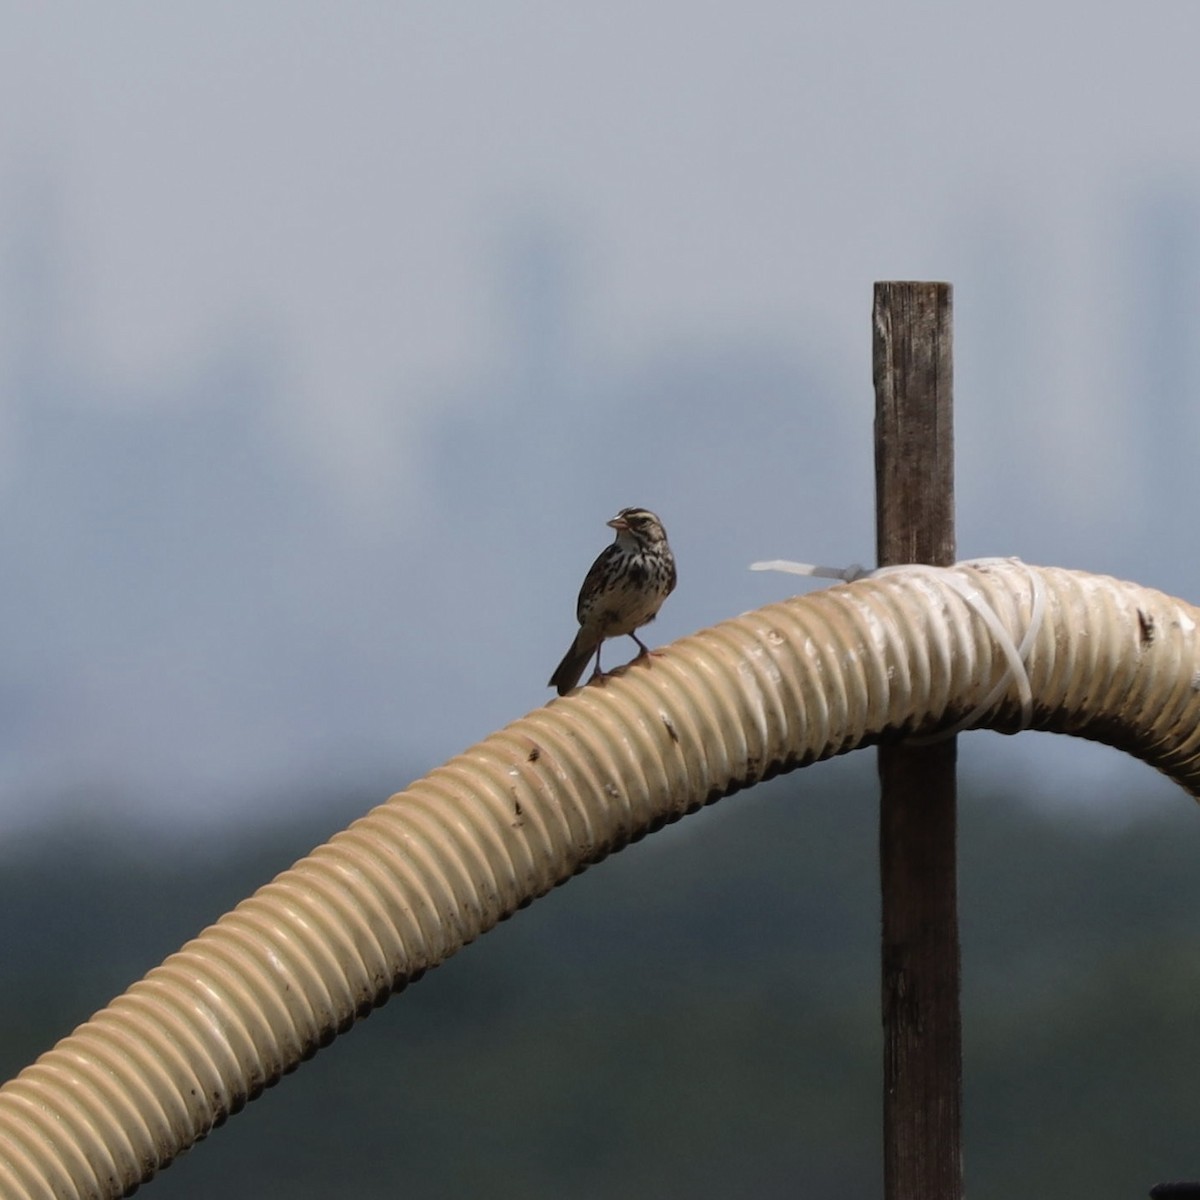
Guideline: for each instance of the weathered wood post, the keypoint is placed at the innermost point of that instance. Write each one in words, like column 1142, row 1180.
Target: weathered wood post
column 914, row 479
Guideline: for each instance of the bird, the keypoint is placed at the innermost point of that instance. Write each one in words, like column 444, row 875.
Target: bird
column 623, row 591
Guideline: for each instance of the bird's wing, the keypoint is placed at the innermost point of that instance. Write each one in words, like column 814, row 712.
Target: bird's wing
column 592, row 581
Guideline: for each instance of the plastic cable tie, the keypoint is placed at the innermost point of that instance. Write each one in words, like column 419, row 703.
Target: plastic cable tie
column 845, row 574
column 1015, row 655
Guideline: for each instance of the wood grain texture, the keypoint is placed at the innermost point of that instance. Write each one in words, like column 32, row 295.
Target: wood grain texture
column 921, row 972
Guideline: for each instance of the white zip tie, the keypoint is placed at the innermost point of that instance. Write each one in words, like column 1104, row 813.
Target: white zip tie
column 846, row 574
column 1015, row 656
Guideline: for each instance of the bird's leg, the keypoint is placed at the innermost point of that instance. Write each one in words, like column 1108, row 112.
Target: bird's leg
column 596, row 672
column 644, row 651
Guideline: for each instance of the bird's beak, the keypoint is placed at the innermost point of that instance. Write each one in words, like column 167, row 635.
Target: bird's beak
column 617, row 523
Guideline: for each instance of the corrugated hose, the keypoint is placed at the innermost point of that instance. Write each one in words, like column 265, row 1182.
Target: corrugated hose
column 903, row 654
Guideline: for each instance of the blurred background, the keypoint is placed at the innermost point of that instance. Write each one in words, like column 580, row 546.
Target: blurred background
column 329, row 339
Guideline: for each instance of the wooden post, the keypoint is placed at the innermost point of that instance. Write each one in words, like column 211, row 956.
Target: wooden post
column 922, row 1026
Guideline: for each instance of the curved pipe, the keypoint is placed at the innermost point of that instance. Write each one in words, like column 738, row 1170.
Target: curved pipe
column 428, row 871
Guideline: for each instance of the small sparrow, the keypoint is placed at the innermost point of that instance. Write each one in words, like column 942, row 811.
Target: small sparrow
column 622, row 592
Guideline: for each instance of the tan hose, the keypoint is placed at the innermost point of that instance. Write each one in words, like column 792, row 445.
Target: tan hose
column 406, row 886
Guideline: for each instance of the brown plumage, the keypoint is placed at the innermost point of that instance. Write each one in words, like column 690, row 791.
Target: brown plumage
column 623, row 591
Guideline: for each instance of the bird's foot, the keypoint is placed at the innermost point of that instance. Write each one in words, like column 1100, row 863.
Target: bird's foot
column 644, row 651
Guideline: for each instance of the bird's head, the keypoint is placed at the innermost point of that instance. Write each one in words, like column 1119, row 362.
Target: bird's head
column 639, row 525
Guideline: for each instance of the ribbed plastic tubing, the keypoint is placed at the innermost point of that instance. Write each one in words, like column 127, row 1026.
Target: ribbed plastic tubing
column 905, row 654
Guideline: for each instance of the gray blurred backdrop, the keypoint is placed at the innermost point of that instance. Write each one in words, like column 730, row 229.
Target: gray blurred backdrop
column 330, row 336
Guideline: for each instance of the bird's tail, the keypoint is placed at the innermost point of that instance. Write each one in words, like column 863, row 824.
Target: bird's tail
column 567, row 674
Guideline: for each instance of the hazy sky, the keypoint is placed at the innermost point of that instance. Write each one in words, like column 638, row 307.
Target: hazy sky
column 343, row 180
column 334, row 171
